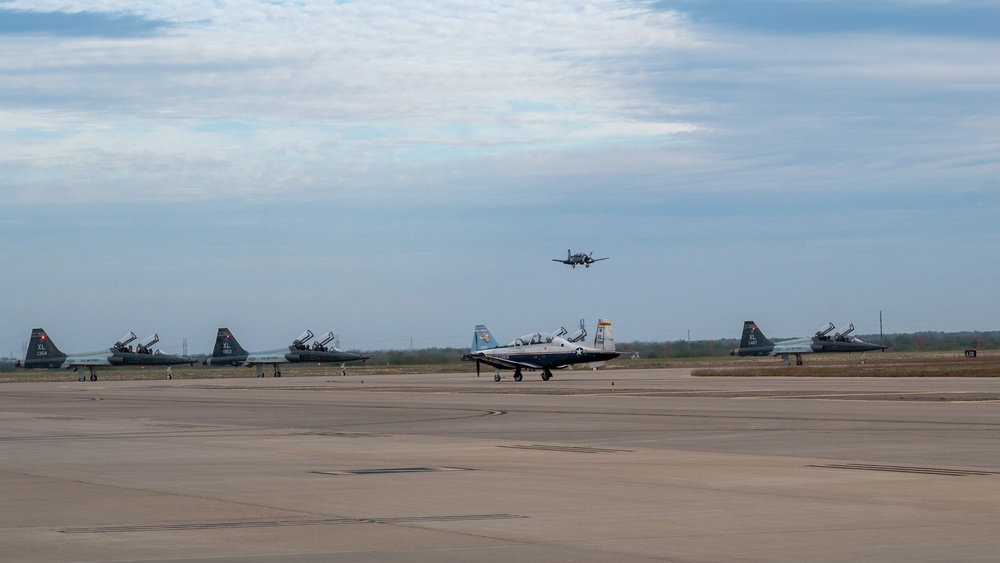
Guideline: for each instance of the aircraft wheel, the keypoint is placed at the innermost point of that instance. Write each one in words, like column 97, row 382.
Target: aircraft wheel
column 517, row 377
column 343, row 372
column 496, row 377
column 277, row 374
column 93, row 377
column 546, row 376
column 261, row 375
column 798, row 363
column 81, row 378
column 169, row 377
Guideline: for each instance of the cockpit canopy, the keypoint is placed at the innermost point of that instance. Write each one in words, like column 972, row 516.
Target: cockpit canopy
column 530, row 339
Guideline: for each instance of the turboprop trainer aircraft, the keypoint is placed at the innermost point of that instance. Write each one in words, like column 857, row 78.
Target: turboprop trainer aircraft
column 541, row 351
column 42, row 353
column 754, row 343
column 580, row 259
column 228, row 352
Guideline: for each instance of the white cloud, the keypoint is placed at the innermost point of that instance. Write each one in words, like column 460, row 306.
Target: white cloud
column 324, row 81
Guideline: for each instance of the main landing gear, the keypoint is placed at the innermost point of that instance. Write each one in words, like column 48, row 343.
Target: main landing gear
column 80, row 376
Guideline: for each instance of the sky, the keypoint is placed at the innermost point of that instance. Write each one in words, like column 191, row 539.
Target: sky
column 398, row 172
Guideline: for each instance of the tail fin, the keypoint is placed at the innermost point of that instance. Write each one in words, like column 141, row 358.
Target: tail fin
column 40, row 347
column 226, row 345
column 482, row 339
column 604, row 339
column 752, row 336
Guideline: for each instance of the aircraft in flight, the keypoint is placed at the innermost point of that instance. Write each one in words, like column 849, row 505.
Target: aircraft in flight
column 541, row 351
column 228, row 352
column 579, row 259
column 754, row 343
column 42, row 353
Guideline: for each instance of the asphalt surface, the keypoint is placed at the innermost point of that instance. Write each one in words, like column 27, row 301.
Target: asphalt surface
column 417, row 468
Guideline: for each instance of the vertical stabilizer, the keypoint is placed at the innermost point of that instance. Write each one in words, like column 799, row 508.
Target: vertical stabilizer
column 604, row 339
column 41, row 348
column 226, row 345
column 482, row 339
column 753, row 337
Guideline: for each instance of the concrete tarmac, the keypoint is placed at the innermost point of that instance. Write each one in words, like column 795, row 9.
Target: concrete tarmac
column 421, row 468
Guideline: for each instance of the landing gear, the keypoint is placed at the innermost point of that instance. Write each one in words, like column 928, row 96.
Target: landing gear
column 277, row 373
column 798, row 359
column 343, row 370
column 260, row 370
column 93, row 377
column 81, row 377
column 517, row 375
column 496, row 376
column 169, row 375
column 546, row 375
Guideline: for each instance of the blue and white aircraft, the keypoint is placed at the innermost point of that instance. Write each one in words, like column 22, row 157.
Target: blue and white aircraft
column 540, row 351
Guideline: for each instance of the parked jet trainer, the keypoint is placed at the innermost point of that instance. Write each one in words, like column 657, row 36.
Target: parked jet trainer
column 541, row 351
column 754, row 343
column 228, row 352
column 42, row 353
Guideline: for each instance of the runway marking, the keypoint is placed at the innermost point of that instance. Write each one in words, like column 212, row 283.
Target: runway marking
column 343, row 434
column 282, row 523
column 907, row 469
column 571, row 449
column 391, row 470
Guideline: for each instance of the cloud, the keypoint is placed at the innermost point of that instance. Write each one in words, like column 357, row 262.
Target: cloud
column 398, row 87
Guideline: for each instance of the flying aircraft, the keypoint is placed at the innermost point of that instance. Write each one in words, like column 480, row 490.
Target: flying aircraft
column 541, row 351
column 228, row 352
column 754, row 343
column 42, row 353
column 579, row 258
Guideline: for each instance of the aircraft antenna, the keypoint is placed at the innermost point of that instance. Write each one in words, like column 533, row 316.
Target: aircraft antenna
column 880, row 330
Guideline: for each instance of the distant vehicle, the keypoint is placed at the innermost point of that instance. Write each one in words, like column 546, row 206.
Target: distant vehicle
column 579, row 259
column 754, row 343
column 228, row 352
column 541, row 351
column 42, row 353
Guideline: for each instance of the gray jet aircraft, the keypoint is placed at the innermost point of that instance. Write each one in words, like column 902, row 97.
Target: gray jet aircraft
column 754, row 343
column 228, row 352
column 579, row 258
column 541, row 351
column 42, row 353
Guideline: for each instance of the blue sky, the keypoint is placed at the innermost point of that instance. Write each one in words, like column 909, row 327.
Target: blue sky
column 402, row 171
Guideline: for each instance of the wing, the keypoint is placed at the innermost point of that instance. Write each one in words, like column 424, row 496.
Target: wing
column 561, row 261
column 599, row 259
column 503, row 363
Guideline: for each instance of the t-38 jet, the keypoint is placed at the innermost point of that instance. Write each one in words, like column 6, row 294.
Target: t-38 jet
column 754, row 343
column 228, row 352
column 579, row 258
column 42, row 353
column 541, row 351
